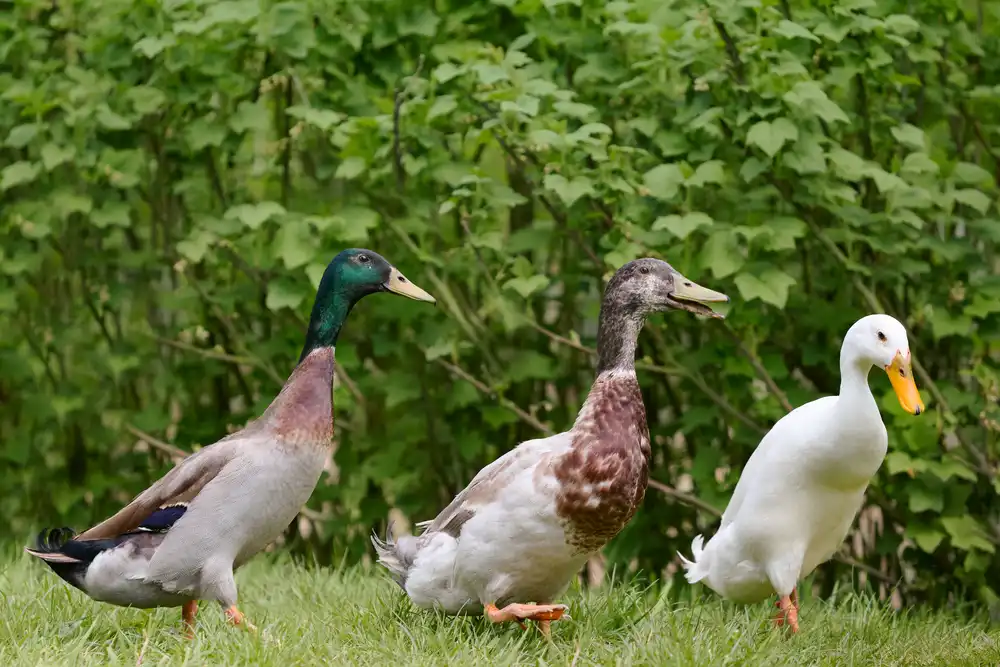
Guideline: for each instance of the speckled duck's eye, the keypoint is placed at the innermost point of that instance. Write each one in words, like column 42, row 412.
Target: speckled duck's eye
column 881, row 336
column 644, row 270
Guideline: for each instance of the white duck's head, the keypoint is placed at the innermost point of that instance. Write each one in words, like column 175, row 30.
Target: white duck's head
column 880, row 340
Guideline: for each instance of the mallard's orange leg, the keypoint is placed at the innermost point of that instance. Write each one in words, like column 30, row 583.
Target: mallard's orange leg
column 187, row 615
column 788, row 613
column 236, row 617
column 543, row 613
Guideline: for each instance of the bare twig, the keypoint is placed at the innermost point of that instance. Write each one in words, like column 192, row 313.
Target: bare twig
column 504, row 402
column 175, row 453
column 731, row 50
column 397, row 149
column 758, row 366
column 685, row 498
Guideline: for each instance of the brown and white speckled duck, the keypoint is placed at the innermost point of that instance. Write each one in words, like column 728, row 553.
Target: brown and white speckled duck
column 180, row 540
column 527, row 522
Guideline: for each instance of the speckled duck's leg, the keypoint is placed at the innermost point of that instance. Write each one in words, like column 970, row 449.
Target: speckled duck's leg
column 188, row 612
column 543, row 613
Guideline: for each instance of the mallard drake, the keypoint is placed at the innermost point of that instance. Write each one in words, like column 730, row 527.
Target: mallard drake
column 527, row 522
column 805, row 482
column 180, row 540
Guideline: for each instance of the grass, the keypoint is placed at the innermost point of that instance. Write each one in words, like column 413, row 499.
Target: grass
column 314, row 616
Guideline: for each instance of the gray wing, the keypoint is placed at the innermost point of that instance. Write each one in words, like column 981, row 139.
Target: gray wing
column 181, row 484
column 492, row 480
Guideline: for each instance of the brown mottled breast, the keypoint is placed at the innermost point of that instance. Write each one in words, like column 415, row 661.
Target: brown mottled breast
column 302, row 414
column 603, row 477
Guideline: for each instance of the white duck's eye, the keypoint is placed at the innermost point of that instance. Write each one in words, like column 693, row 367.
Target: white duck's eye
column 881, row 336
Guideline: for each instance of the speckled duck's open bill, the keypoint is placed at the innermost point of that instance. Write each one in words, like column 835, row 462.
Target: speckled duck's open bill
column 689, row 295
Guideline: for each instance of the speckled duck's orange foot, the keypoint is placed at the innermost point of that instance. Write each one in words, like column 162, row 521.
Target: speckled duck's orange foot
column 788, row 612
column 188, row 612
column 543, row 613
column 236, row 617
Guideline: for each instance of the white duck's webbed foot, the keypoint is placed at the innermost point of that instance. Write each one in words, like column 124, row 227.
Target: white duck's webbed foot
column 788, row 612
column 544, row 614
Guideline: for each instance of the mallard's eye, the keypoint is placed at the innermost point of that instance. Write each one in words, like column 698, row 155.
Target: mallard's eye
column 364, row 259
column 881, row 336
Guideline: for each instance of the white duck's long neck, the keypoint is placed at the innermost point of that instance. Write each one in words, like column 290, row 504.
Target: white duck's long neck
column 856, row 397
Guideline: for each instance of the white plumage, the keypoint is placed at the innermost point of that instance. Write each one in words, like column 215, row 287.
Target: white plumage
column 804, row 484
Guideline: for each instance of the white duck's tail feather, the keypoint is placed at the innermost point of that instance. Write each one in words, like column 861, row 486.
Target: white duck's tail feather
column 395, row 555
column 697, row 569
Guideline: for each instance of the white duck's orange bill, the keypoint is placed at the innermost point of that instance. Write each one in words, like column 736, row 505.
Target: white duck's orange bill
column 901, row 376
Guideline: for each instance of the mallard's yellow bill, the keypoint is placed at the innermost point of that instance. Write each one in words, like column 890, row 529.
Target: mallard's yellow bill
column 901, row 377
column 398, row 284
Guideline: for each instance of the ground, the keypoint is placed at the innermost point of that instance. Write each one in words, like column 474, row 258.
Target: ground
column 314, row 616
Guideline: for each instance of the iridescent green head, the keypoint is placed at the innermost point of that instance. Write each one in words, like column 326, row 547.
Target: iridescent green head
column 352, row 275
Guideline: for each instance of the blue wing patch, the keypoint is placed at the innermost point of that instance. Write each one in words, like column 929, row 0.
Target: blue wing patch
column 162, row 519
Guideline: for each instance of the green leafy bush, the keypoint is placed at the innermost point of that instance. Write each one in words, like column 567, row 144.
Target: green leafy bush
column 175, row 176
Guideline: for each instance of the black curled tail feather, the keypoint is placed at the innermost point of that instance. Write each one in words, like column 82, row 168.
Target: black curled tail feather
column 51, row 546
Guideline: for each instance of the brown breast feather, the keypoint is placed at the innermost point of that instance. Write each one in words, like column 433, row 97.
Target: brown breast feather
column 302, row 414
column 602, row 479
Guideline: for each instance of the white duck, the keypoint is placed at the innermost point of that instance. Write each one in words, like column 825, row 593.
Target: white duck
column 528, row 521
column 804, row 484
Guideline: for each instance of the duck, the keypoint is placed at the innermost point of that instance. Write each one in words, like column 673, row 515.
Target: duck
column 510, row 543
column 181, row 540
column 805, row 482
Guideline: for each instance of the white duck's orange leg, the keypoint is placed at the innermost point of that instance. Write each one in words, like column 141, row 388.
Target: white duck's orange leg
column 544, row 614
column 188, row 612
column 236, row 617
column 788, row 612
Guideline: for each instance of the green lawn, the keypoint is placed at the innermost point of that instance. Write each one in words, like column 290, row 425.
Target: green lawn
column 312, row 616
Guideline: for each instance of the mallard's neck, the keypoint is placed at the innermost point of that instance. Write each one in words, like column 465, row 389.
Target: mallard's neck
column 302, row 414
column 617, row 334
column 328, row 315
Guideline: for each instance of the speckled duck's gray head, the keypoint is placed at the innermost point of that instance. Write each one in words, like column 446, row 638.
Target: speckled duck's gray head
column 649, row 285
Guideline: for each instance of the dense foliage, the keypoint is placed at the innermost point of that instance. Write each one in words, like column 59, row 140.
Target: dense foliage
column 175, row 176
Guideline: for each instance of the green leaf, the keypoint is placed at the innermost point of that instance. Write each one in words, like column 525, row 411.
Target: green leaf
column 809, row 98
column 21, row 135
column 196, row 245
column 575, row 109
column 901, row 24
column 288, row 26
column 783, row 232
column 255, row 215
column 112, row 213
column 846, row 164
column 927, row 539
column 153, row 46
column 973, row 199
column 971, row 174
column 713, row 171
column 294, row 244
column 770, row 137
column 919, row 163
column 527, row 286
column 250, row 116
column 110, row 120
column 807, row 157
column 948, row 468
column 283, row 293
column 323, row 119
column 663, row 182
column 18, row 173
column 721, row 254
column 67, row 203
column 351, row 168
column 569, row 191
column 794, row 30
column 752, row 168
column 442, row 106
column 910, row 135
column 146, row 99
column 966, row 534
column 53, row 155
column 681, row 227
column 922, row 499
column 770, row 286
column 204, row 132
